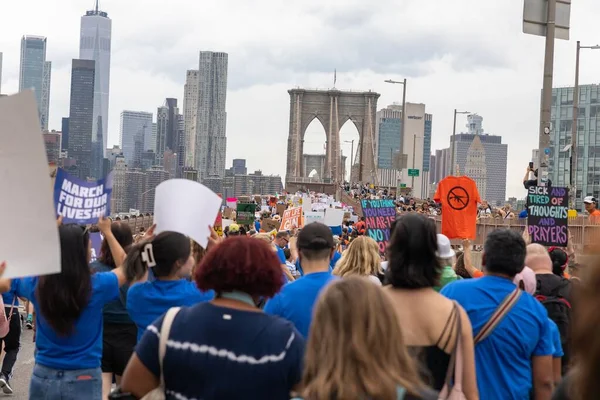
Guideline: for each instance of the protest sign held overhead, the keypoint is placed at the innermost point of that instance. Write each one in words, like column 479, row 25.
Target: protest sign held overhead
column 187, row 207
column 26, row 209
column 459, row 198
column 292, row 219
column 379, row 216
column 81, row 202
column 245, row 214
column 548, row 215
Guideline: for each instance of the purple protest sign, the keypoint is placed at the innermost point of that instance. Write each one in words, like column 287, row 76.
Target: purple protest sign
column 81, row 202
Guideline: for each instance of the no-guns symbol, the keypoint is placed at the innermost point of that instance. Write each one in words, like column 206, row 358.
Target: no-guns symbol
column 458, row 198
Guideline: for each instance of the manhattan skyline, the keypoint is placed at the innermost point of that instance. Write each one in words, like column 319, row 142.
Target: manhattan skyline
column 450, row 60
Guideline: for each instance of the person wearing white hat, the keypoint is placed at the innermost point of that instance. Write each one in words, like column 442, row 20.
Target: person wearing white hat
column 447, row 258
column 591, row 206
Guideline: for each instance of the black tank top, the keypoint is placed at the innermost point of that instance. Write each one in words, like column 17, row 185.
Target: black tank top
column 433, row 361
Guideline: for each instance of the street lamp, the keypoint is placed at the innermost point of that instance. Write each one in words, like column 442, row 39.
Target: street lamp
column 414, row 153
column 573, row 161
column 351, row 157
column 454, row 138
column 403, row 83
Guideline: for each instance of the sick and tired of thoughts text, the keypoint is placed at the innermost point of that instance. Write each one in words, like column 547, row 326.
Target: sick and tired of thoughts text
column 547, row 215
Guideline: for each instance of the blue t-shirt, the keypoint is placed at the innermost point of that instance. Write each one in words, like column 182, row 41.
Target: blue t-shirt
column 146, row 301
column 503, row 359
column 114, row 311
column 336, row 257
column 296, row 300
column 229, row 354
column 83, row 348
column 10, row 296
column 281, row 255
column 558, row 350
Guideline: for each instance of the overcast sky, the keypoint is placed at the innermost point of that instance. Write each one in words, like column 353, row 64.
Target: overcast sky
column 465, row 54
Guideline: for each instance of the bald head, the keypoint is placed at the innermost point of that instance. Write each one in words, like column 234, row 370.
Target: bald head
column 538, row 259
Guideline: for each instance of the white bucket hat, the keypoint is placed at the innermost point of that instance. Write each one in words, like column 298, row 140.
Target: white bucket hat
column 444, row 247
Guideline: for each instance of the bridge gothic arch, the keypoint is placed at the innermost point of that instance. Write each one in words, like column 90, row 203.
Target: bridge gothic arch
column 332, row 108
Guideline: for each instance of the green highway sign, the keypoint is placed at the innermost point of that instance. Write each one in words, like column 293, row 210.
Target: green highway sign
column 402, row 185
column 413, row 172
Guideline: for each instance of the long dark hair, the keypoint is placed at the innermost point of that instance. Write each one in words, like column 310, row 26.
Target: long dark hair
column 121, row 232
column 63, row 297
column 166, row 249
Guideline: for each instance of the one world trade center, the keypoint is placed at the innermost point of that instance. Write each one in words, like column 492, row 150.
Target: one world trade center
column 94, row 44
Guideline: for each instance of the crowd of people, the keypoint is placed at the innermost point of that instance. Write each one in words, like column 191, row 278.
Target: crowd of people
column 310, row 313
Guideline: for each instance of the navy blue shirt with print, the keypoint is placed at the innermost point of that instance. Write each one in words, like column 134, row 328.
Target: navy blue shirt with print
column 229, row 354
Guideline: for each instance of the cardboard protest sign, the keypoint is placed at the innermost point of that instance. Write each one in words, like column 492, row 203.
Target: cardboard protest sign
column 281, row 209
column 187, row 207
column 292, row 219
column 227, row 213
column 30, row 243
column 268, row 224
column 245, row 213
column 231, row 202
column 379, row 216
column 258, row 199
column 547, row 215
column 81, row 202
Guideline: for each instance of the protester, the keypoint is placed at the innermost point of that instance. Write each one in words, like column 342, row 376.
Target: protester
column 513, row 341
column 69, row 318
column 554, row 292
column 361, row 258
column 428, row 319
column 119, row 333
column 582, row 380
column 296, row 300
column 526, row 281
column 591, row 206
column 170, row 258
column 226, row 348
column 447, row 259
column 355, row 349
column 267, row 238
column 12, row 340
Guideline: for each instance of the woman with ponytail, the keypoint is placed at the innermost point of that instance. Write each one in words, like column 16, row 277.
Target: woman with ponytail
column 169, row 256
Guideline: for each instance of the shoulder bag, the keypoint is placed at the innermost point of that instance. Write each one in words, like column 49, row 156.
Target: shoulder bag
column 159, row 392
column 452, row 390
column 498, row 315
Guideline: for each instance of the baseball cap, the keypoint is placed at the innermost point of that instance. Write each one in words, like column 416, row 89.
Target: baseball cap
column 444, row 248
column 233, row 228
column 315, row 236
column 590, row 200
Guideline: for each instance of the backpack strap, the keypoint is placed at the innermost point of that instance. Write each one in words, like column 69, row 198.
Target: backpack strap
column 165, row 331
column 12, row 307
column 502, row 310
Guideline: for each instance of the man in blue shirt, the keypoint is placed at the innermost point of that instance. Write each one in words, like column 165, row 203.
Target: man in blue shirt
column 519, row 350
column 296, row 300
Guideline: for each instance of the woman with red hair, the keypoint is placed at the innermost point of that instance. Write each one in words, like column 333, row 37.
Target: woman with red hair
column 226, row 348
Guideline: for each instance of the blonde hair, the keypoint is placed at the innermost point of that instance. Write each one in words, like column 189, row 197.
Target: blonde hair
column 360, row 258
column 355, row 348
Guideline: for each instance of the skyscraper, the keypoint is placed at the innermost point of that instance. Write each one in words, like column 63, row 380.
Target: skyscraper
column 65, row 134
column 487, row 162
column 95, row 44
column 587, row 156
column 415, row 147
column 135, row 136
column 45, row 105
column 211, row 140
column 81, row 116
column 190, row 114
column 169, row 130
column 32, row 69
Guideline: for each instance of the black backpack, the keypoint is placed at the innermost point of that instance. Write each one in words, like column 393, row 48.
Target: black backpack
column 559, row 311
